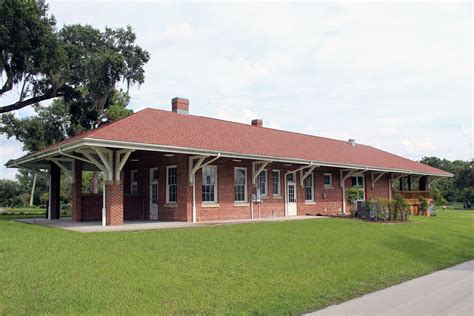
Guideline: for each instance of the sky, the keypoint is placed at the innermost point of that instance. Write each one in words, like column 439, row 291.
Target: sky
column 394, row 75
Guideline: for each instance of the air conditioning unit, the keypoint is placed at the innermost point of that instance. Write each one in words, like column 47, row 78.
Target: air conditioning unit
column 257, row 197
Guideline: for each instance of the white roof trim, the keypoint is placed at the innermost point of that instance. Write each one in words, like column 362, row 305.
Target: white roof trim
column 85, row 142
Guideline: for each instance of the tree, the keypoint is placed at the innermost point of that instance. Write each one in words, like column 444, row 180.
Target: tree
column 10, row 192
column 58, row 121
column 460, row 188
column 61, row 120
column 77, row 63
column 25, row 177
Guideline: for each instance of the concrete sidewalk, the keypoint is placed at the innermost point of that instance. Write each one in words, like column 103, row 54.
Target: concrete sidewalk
column 446, row 292
column 96, row 227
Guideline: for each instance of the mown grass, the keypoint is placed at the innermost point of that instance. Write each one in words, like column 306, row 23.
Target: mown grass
column 266, row 268
column 28, row 210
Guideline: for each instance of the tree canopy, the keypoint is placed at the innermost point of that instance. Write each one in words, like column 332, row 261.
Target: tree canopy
column 77, row 62
column 61, row 120
column 460, row 188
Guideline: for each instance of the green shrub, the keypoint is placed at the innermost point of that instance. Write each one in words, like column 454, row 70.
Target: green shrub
column 354, row 194
column 400, row 208
column 44, row 198
column 424, row 205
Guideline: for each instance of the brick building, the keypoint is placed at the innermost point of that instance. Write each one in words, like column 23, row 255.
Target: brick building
column 173, row 166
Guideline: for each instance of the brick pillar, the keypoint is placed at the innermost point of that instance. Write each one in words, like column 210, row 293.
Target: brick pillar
column 114, row 202
column 76, row 192
column 55, row 174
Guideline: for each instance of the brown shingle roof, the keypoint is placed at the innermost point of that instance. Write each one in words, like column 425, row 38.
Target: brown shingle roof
column 159, row 127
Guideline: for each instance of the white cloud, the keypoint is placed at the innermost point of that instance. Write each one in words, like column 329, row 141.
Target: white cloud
column 392, row 75
column 9, row 149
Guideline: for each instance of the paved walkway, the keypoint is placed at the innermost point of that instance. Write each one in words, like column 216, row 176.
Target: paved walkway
column 446, row 292
column 94, row 227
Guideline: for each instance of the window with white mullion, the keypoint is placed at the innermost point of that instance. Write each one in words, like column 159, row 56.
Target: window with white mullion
column 171, row 184
column 262, row 183
column 328, row 180
column 309, row 188
column 276, row 182
column 209, row 184
column 240, row 184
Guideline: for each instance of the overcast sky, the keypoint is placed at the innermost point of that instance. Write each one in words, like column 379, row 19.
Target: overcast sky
column 397, row 76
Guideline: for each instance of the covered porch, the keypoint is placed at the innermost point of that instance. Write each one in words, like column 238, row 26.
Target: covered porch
column 414, row 187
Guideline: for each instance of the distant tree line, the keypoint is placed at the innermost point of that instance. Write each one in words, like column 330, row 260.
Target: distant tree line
column 459, row 188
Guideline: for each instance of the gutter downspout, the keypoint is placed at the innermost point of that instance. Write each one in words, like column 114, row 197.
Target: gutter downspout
column 104, row 201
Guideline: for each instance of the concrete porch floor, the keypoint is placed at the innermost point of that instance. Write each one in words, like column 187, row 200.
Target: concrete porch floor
column 96, row 227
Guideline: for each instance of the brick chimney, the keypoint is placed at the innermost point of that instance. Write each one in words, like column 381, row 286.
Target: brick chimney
column 257, row 122
column 180, row 105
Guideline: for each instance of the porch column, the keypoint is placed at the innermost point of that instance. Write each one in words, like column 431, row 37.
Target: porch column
column 76, row 192
column 114, row 198
column 400, row 183
column 409, row 182
column 54, row 195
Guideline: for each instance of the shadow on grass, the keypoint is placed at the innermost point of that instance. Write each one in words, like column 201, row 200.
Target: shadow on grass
column 432, row 252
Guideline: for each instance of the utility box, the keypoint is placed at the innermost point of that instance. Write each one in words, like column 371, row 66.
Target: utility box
column 257, row 197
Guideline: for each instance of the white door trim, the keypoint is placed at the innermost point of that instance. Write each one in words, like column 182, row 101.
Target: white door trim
column 153, row 206
column 292, row 207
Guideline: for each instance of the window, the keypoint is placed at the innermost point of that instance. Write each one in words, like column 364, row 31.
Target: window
column 262, row 182
column 328, row 180
column 240, row 184
column 308, row 188
column 359, row 181
column 154, row 185
column 276, row 182
column 133, row 182
column 290, row 177
column 209, row 184
column 171, row 184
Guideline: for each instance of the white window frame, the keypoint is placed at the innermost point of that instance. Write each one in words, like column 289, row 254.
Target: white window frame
column 330, row 185
column 215, row 185
column 245, row 187
column 168, row 185
column 279, row 183
column 133, row 183
column 312, row 188
column 264, row 171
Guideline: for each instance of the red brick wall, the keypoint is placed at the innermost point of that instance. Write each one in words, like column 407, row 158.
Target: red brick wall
column 381, row 187
column 327, row 201
column 91, row 207
column 134, row 207
column 181, row 211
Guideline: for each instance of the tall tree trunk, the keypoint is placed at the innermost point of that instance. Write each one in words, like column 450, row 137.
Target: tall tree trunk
column 33, row 190
column 95, row 182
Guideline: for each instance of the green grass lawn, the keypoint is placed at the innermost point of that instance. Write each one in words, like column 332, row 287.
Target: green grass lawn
column 265, row 268
column 24, row 210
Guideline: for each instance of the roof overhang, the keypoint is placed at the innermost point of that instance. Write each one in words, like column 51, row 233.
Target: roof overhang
column 93, row 142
